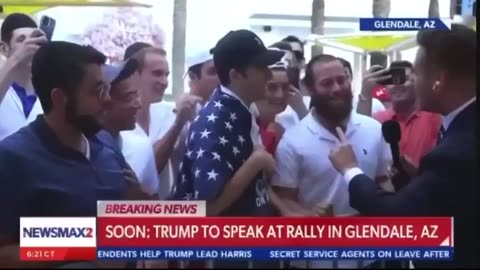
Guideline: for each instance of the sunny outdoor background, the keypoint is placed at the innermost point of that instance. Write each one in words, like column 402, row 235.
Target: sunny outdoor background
column 186, row 27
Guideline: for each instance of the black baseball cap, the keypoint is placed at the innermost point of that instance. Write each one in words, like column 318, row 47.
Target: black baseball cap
column 243, row 48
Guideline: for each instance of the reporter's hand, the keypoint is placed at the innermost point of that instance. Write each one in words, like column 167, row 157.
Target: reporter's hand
column 186, row 108
column 408, row 166
column 372, row 78
column 342, row 155
column 323, row 210
column 391, row 172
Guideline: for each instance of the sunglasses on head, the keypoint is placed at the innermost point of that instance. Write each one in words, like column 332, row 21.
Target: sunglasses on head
column 280, row 64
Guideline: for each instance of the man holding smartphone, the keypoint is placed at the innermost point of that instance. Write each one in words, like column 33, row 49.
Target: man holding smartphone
column 297, row 107
column 419, row 129
column 20, row 39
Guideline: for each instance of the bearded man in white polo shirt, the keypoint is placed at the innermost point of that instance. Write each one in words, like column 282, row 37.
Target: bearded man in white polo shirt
column 304, row 175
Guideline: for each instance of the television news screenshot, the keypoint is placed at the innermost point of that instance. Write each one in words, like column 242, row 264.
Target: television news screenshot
column 210, row 134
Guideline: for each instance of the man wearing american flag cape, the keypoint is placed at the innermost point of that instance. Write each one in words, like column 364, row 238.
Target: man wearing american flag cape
column 224, row 150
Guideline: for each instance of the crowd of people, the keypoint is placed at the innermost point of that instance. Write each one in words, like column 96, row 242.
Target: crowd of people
column 251, row 136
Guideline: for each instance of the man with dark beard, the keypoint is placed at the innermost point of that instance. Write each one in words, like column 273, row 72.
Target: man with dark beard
column 54, row 167
column 304, row 176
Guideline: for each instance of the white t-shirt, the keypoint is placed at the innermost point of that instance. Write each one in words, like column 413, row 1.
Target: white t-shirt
column 162, row 118
column 306, row 167
column 12, row 115
column 289, row 118
column 138, row 153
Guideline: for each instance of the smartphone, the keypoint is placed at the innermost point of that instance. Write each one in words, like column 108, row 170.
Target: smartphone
column 47, row 25
column 399, row 77
column 293, row 74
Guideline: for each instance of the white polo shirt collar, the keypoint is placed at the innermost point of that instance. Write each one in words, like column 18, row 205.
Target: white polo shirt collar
column 316, row 127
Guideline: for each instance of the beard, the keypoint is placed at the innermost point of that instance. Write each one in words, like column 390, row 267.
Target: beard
column 86, row 124
column 333, row 112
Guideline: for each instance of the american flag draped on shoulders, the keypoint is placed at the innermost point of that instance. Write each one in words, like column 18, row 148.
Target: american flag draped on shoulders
column 218, row 143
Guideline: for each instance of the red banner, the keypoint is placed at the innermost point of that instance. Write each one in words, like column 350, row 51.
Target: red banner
column 274, row 232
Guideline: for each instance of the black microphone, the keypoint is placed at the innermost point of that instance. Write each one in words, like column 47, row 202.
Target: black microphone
column 392, row 135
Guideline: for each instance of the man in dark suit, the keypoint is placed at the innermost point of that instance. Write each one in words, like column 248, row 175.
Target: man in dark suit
column 446, row 182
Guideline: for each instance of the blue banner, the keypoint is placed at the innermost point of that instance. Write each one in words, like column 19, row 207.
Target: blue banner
column 403, row 24
column 429, row 254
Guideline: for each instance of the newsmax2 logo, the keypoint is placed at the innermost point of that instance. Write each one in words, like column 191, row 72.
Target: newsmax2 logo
column 57, row 232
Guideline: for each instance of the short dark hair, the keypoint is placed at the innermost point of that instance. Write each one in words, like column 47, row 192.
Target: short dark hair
column 141, row 54
column 60, row 64
column 452, row 50
column 282, row 45
column 130, row 67
column 401, row 64
column 293, row 39
column 134, row 48
column 13, row 22
column 224, row 74
column 309, row 78
column 300, row 55
column 346, row 65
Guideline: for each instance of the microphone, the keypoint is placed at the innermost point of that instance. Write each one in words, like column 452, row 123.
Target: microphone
column 392, row 135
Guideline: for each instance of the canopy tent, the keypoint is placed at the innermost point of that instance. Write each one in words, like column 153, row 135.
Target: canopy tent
column 365, row 42
column 387, row 42
column 33, row 6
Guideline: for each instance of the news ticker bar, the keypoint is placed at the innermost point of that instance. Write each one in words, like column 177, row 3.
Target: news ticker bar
column 236, row 254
